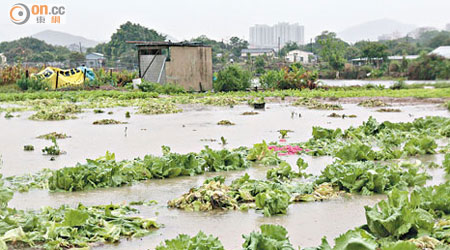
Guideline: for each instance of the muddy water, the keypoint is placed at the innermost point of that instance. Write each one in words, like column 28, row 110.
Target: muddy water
column 306, row 222
column 145, row 134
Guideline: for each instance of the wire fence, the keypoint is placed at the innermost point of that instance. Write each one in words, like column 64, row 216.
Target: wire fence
column 116, row 66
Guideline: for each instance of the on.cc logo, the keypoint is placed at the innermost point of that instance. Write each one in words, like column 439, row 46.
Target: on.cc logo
column 19, row 13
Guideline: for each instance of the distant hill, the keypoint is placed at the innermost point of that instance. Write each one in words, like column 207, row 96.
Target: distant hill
column 374, row 29
column 63, row 39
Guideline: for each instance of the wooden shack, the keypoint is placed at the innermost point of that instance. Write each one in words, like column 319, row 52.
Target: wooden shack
column 186, row 64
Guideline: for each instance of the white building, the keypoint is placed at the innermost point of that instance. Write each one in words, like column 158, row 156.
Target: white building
column 443, row 51
column 261, row 36
column 258, row 52
column 95, row 60
column 299, row 56
column 2, row 59
column 265, row 36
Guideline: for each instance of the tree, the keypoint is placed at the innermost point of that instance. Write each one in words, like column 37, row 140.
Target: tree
column 332, row 50
column 260, row 63
column 127, row 32
column 76, row 57
column 374, row 50
column 237, row 45
column 29, row 48
column 352, row 53
column 232, row 78
column 290, row 46
column 441, row 39
column 216, row 46
column 47, row 56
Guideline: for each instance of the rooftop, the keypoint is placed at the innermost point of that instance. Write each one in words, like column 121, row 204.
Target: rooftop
column 442, row 51
column 258, row 50
column 299, row 51
column 167, row 44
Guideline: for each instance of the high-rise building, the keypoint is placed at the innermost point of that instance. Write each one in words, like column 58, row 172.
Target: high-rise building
column 447, row 27
column 265, row 36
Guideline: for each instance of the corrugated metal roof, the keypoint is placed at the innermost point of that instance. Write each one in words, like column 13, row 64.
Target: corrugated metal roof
column 408, row 57
column 258, row 50
column 442, row 51
column 168, row 44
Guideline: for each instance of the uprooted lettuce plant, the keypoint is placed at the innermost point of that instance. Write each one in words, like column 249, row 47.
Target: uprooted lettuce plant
column 158, row 107
column 199, row 241
column 271, row 197
column 273, row 202
column 370, row 177
column 284, row 171
column 51, row 135
column 55, row 113
column 315, row 104
column 273, row 237
column 379, row 141
column 65, row 227
column 370, row 103
column 52, row 149
column 261, row 153
column 446, row 163
column 211, row 195
column 24, row 183
column 107, row 172
column 404, row 221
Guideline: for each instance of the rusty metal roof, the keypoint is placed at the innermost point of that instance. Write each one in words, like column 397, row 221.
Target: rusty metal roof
column 168, row 44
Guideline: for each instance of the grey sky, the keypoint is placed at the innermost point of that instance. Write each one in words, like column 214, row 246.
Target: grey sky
column 221, row 19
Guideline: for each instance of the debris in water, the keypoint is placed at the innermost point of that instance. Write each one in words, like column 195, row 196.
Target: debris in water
column 225, row 122
column 107, row 122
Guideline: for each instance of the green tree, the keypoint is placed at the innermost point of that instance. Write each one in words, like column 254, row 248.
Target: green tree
column 260, row 63
column 127, row 32
column 374, row 50
column 290, row 46
column 352, row 53
column 232, row 78
column 76, row 57
column 47, row 56
column 29, row 48
column 332, row 50
column 237, row 44
column 216, row 46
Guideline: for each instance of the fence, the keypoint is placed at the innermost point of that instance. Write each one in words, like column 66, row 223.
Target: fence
column 117, row 74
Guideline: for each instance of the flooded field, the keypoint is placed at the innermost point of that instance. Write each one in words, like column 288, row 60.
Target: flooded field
column 190, row 131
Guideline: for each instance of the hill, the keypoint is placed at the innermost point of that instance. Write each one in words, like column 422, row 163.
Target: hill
column 63, row 39
column 374, row 29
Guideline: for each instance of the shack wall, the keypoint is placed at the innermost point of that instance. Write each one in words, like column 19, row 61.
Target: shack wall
column 190, row 66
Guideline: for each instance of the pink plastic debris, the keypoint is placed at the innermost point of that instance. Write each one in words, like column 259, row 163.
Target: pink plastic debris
column 287, row 149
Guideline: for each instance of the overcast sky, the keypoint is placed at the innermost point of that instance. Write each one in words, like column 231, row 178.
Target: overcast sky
column 221, row 19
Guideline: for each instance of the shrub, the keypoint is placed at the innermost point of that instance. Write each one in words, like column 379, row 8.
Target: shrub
column 350, row 72
column 295, row 77
column 429, row 67
column 270, row 79
column 159, row 88
column 32, row 83
column 298, row 78
column 232, row 78
column 394, row 66
column 399, row 85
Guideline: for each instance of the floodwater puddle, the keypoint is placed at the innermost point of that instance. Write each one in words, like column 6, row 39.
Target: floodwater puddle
column 306, row 223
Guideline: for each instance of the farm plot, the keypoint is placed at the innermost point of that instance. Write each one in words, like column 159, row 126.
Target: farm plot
column 312, row 181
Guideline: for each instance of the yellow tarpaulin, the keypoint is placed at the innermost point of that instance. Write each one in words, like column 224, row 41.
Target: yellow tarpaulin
column 60, row 78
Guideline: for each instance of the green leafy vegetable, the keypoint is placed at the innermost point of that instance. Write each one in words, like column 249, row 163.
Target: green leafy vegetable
column 201, row 241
